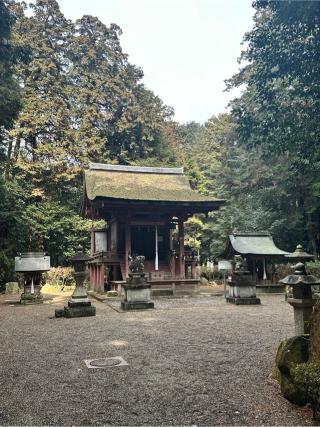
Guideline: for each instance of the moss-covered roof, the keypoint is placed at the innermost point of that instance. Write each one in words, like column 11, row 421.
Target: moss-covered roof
column 142, row 184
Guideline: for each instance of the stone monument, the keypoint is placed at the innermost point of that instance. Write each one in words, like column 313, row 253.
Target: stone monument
column 301, row 301
column 79, row 304
column 32, row 265
column 242, row 287
column 137, row 292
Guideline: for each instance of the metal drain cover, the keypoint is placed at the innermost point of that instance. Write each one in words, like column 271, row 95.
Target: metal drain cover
column 101, row 363
column 108, row 362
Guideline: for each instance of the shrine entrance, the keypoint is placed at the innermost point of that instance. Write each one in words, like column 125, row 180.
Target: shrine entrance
column 147, row 240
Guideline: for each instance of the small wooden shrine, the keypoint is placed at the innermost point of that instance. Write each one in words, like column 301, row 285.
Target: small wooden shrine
column 260, row 252
column 145, row 209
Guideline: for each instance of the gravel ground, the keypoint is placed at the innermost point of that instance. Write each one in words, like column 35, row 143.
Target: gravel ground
column 191, row 361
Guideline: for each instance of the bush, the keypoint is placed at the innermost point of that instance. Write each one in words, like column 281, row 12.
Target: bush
column 211, row 275
column 59, row 277
column 313, row 268
column 307, row 375
column 282, row 270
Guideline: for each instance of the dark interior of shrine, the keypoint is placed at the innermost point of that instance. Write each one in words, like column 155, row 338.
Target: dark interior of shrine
column 143, row 241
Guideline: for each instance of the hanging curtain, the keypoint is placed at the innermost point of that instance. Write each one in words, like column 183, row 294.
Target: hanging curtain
column 156, row 262
column 264, row 269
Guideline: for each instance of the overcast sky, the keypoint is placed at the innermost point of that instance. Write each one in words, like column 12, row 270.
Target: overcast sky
column 186, row 48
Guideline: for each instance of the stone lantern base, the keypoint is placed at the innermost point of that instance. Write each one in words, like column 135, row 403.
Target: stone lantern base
column 76, row 311
column 244, row 301
column 242, row 289
column 79, row 305
column 137, row 293
column 27, row 298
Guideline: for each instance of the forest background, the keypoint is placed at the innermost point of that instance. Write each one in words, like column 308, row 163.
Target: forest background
column 69, row 95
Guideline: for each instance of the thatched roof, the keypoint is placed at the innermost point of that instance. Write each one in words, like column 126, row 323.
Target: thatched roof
column 141, row 184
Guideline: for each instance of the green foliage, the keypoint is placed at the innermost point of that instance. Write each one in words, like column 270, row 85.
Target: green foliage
column 313, row 267
column 211, row 275
column 276, row 115
column 59, row 277
column 307, row 376
column 278, row 109
column 10, row 102
column 193, row 232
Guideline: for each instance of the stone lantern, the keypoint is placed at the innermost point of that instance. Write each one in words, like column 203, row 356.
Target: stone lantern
column 32, row 265
column 301, row 301
column 79, row 304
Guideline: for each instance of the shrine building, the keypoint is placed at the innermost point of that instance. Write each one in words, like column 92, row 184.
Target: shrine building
column 145, row 209
column 260, row 252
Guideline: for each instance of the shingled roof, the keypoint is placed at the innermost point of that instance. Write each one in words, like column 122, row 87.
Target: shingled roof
column 142, row 184
column 256, row 243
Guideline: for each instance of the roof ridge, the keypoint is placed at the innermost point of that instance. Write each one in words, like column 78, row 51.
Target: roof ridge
column 139, row 169
column 252, row 233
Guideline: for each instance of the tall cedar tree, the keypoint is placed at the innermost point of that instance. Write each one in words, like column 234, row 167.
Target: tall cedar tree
column 82, row 101
column 278, row 111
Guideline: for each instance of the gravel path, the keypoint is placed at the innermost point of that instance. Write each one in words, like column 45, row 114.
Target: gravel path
column 192, row 361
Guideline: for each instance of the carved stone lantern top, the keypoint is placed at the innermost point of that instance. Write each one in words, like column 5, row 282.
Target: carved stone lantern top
column 301, row 283
column 300, row 277
column 300, row 255
column 79, row 261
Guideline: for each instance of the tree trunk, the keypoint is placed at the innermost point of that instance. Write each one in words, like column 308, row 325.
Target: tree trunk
column 16, row 150
column 8, row 162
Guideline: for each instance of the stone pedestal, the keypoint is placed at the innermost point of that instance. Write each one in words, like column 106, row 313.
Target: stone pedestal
column 137, row 293
column 32, row 287
column 242, row 289
column 79, row 304
column 302, row 310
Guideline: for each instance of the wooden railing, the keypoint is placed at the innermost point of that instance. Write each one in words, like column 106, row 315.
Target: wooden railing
column 105, row 256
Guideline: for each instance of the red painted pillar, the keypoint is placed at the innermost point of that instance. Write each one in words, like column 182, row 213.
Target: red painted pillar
column 127, row 245
column 95, row 277
column 102, row 278
column 181, row 249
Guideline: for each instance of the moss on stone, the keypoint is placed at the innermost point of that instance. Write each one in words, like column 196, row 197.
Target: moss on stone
column 291, row 353
column 276, row 372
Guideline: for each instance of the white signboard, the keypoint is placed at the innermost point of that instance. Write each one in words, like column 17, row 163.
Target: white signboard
column 101, row 241
column 224, row 265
